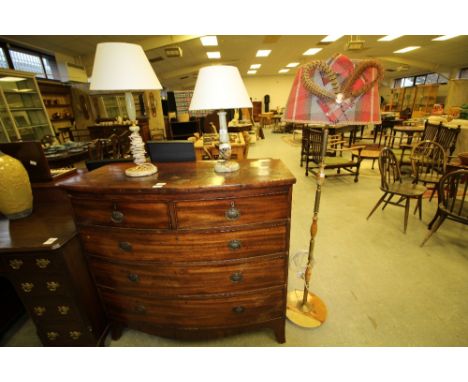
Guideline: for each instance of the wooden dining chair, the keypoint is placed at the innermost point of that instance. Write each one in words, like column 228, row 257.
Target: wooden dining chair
column 453, row 203
column 392, row 185
column 428, row 162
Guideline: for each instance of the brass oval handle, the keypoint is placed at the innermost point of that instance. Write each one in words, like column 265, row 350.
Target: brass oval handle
column 232, row 213
column 16, row 264
column 39, row 310
column 125, row 246
column 117, row 217
column 133, row 277
column 63, row 309
column 52, row 285
column 74, row 335
column 52, row 336
column 238, row 309
column 237, row 277
column 140, row 309
column 235, row 244
column 27, row 287
column 42, row 263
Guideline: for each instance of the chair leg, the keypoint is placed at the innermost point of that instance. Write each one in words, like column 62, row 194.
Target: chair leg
column 373, row 161
column 377, row 205
column 388, row 201
column 434, row 229
column 405, row 223
column 420, row 207
column 433, row 192
column 429, row 226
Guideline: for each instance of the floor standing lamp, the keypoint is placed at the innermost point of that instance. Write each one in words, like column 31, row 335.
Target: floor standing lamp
column 124, row 67
column 220, row 87
column 328, row 93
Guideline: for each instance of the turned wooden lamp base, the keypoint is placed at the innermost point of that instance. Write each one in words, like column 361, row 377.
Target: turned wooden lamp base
column 309, row 315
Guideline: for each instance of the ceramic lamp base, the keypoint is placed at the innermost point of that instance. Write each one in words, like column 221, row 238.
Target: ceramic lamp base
column 226, row 166
column 310, row 315
column 144, row 169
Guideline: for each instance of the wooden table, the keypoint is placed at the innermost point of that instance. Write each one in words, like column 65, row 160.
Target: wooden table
column 408, row 130
column 237, row 148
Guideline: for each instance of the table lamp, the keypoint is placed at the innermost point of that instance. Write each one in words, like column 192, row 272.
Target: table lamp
column 330, row 93
column 124, row 67
column 220, row 87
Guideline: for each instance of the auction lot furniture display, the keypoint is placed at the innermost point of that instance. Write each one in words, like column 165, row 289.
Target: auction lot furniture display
column 188, row 253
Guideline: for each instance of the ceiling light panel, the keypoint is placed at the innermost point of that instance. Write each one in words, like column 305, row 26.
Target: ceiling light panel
column 407, row 49
column 263, row 52
column 213, row 55
column 251, row 71
column 390, row 37
column 283, row 70
column 255, row 66
column 292, row 64
column 443, row 38
column 209, row 41
column 311, row 51
column 331, row 38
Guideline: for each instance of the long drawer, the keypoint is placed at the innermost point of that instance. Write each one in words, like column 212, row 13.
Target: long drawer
column 232, row 212
column 252, row 308
column 135, row 245
column 184, row 280
column 126, row 214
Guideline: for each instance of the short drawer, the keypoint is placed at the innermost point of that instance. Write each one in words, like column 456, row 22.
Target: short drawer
column 185, row 280
column 53, row 310
column 183, row 246
column 232, row 212
column 126, row 214
column 50, row 285
column 39, row 263
column 66, row 334
column 243, row 309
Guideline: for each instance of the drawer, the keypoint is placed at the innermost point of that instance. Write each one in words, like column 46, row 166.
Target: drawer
column 183, row 246
column 40, row 263
column 66, row 334
column 243, row 309
column 46, row 310
column 51, row 284
column 184, row 280
column 232, row 212
column 127, row 214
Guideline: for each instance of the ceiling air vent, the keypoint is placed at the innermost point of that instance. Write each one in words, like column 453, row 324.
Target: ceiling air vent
column 156, row 59
column 183, row 78
column 173, row 52
column 354, row 44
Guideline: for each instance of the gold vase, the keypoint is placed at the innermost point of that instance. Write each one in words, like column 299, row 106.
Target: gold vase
column 16, row 200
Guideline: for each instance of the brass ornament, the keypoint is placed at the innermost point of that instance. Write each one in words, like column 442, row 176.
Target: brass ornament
column 39, row 310
column 63, row 309
column 42, row 263
column 52, row 336
column 52, row 285
column 74, row 335
column 16, row 264
column 27, row 287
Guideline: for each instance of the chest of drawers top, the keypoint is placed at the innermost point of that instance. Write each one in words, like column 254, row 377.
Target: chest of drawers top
column 182, row 178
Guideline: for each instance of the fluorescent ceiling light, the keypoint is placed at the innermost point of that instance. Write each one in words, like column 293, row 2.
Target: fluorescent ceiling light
column 407, row 49
column 251, row 71
column 209, row 41
column 390, row 37
column 292, row 64
column 213, row 55
column 12, row 79
column 283, row 70
column 311, row 51
column 443, row 38
column 331, row 38
column 255, row 66
column 263, row 53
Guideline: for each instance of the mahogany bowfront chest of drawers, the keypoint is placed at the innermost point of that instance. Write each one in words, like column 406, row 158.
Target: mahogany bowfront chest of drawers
column 42, row 258
column 200, row 256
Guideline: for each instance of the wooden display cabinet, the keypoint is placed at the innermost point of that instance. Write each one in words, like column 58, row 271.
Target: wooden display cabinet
column 424, row 101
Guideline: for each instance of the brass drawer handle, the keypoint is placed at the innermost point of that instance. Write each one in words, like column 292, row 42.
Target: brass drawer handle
column 52, row 285
column 237, row 277
column 238, row 309
column 232, row 213
column 16, row 264
column 27, row 287
column 235, row 244
column 39, row 310
column 125, row 246
column 117, row 217
column 42, row 263
column 134, row 277
column 74, row 335
column 52, row 336
column 140, row 309
column 63, row 309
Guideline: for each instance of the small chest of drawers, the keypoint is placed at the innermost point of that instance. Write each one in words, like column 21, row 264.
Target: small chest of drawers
column 41, row 256
column 205, row 255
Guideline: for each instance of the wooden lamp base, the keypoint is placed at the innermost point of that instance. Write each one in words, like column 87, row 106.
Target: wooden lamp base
column 309, row 315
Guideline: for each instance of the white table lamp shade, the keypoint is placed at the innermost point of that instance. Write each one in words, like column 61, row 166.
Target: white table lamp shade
column 122, row 66
column 219, row 87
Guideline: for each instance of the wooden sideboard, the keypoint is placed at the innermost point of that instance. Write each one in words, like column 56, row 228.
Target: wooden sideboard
column 42, row 258
column 205, row 255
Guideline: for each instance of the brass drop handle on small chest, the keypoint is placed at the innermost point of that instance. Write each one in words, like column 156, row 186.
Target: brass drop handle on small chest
column 237, row 277
column 133, row 277
column 235, row 244
column 117, row 216
column 232, row 213
column 52, row 336
column 16, row 264
column 42, row 263
column 27, row 287
column 125, row 246
column 74, row 334
column 63, row 309
column 39, row 310
column 238, row 309
column 52, row 285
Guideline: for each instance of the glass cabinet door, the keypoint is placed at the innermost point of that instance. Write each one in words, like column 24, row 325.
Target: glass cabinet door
column 24, row 104
column 7, row 127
